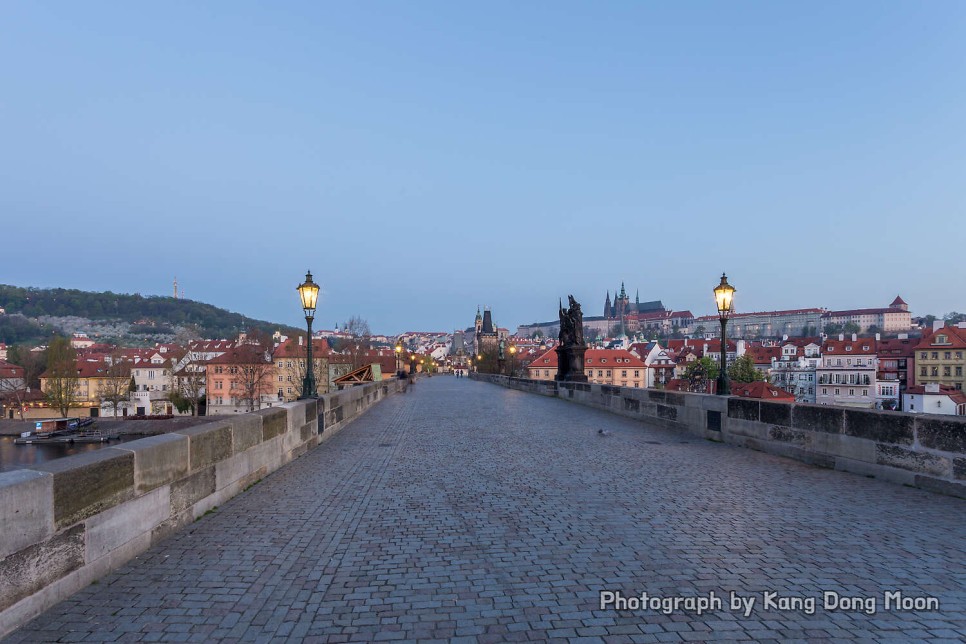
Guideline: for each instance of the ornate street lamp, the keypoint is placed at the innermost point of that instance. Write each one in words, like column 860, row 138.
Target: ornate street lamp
column 398, row 352
column 724, row 294
column 309, row 294
column 513, row 353
column 412, row 363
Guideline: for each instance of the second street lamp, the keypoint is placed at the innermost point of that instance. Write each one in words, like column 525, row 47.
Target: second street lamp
column 724, row 294
column 398, row 351
column 309, row 294
column 513, row 353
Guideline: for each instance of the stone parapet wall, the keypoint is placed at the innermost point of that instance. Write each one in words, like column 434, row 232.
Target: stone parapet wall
column 918, row 450
column 70, row 521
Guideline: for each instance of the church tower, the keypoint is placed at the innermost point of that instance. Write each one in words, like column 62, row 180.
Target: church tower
column 607, row 305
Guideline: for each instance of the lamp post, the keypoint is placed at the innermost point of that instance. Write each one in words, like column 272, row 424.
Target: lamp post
column 513, row 353
column 724, row 294
column 309, row 294
column 398, row 351
column 412, row 364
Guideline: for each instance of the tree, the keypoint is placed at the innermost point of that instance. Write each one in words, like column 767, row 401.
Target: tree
column 700, row 372
column 699, row 331
column 13, row 391
column 743, row 370
column 833, row 329
column 115, row 387
column 954, row 318
column 357, row 327
column 251, row 373
column 851, row 327
column 61, row 376
column 927, row 320
column 873, row 328
column 188, row 385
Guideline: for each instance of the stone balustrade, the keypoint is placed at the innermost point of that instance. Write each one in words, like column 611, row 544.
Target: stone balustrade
column 70, row 521
column 924, row 451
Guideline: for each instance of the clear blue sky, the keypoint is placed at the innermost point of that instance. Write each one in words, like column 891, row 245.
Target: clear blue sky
column 423, row 158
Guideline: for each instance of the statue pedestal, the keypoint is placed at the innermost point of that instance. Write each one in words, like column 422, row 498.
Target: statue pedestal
column 570, row 363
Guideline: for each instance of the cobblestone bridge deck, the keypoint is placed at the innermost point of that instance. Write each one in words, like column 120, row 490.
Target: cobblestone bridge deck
column 463, row 509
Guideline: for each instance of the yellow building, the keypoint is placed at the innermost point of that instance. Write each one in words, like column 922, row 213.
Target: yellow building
column 601, row 366
column 289, row 359
column 940, row 357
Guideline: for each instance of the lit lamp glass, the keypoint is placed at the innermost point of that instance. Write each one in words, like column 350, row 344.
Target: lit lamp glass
column 309, row 294
column 724, row 294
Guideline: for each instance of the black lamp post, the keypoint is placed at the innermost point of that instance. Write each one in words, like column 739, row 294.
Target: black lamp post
column 724, row 294
column 398, row 351
column 513, row 354
column 309, row 294
column 412, row 363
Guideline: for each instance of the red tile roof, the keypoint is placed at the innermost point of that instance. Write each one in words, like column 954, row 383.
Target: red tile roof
column 592, row 358
column 954, row 335
column 763, row 355
column 244, row 354
column 861, row 346
column 292, row 349
column 761, row 391
column 8, row 370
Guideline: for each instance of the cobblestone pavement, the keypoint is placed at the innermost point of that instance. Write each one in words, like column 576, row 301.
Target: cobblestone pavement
column 463, row 510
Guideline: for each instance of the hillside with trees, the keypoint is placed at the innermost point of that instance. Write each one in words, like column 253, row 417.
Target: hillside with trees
column 33, row 314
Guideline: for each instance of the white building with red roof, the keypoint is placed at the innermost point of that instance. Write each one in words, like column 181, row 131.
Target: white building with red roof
column 847, row 374
column 934, row 398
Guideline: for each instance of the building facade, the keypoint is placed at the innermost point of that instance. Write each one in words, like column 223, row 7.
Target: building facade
column 847, row 373
column 940, row 357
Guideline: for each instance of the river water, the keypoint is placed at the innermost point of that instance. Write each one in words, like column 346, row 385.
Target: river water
column 18, row 457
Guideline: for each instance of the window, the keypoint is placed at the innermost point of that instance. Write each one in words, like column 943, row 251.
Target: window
column 935, row 371
column 865, row 392
column 948, row 355
column 289, row 389
column 280, row 389
column 600, row 373
column 624, row 374
column 959, row 355
column 935, row 355
column 546, row 372
column 836, row 392
column 280, row 379
column 924, row 355
column 946, row 371
column 637, row 374
column 608, row 373
column 959, row 371
column 922, row 371
column 219, row 384
column 851, row 392
column 941, row 339
column 151, row 374
column 279, row 366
